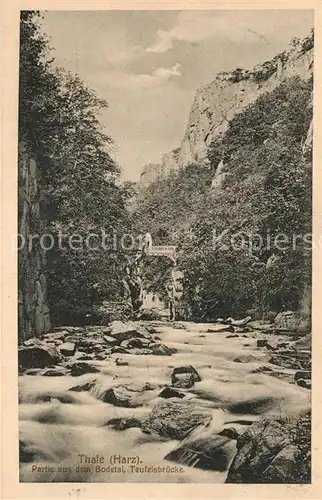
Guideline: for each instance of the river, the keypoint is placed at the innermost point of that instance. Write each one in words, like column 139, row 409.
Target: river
column 60, row 426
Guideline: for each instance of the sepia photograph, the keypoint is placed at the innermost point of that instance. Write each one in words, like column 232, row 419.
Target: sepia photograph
column 164, row 246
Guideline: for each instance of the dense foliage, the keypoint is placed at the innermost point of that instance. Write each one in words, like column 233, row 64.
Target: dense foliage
column 265, row 194
column 59, row 125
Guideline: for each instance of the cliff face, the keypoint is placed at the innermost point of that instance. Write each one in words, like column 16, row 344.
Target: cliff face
column 216, row 103
column 33, row 311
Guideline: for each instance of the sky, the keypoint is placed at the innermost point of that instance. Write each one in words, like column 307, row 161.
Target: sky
column 149, row 64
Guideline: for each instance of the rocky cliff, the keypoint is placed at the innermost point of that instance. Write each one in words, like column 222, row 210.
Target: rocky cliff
column 216, row 103
column 32, row 306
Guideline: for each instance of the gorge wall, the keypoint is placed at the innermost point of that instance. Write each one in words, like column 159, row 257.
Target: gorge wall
column 217, row 102
column 33, row 311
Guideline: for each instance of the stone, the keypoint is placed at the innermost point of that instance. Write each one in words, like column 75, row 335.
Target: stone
column 302, row 374
column 245, row 358
column 175, row 420
column 261, row 343
column 184, row 370
column 304, row 383
column 135, row 342
column 240, row 322
column 230, row 432
column 285, row 362
column 111, row 340
column 39, row 356
column 121, row 362
column 233, row 336
column 169, row 392
column 58, row 371
column 81, row 368
column 184, row 381
column 67, row 349
column 121, row 396
column 121, row 424
column 125, row 331
column 83, row 387
column 213, row 453
column 272, row 451
column 160, row 350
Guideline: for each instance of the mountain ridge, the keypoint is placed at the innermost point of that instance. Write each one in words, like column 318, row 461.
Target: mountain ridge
column 217, row 102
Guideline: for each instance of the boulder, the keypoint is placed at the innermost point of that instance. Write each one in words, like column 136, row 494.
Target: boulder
column 140, row 352
column 213, row 453
column 302, row 374
column 230, row 432
column 169, row 392
column 304, row 383
column 81, row 368
column 39, row 356
column 135, row 342
column 184, row 370
column 160, row 350
column 67, row 349
column 121, row 396
column 232, row 336
column 83, row 387
column 261, row 342
column 285, row 362
column 33, row 342
column 111, row 340
column 240, row 322
column 273, row 451
column 184, row 381
column 175, row 420
column 57, row 371
column 125, row 331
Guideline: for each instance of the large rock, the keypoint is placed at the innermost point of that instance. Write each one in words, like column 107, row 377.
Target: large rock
column 136, row 342
column 67, row 349
column 286, row 362
column 160, row 350
column 272, row 451
column 186, row 369
column 125, row 331
column 121, row 396
column 38, row 356
column 80, row 368
column 175, row 420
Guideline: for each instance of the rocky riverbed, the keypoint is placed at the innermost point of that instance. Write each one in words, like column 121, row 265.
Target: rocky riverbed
column 165, row 402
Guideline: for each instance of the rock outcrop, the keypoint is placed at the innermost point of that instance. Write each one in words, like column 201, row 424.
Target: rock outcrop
column 273, row 451
column 217, row 102
column 32, row 295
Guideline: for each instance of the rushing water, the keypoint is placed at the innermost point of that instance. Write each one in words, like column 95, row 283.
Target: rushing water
column 59, row 427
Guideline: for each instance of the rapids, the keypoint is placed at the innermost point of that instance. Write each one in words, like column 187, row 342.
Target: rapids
column 58, row 425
